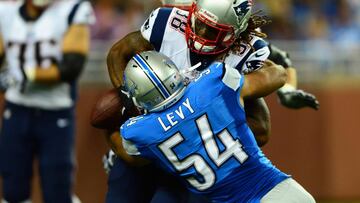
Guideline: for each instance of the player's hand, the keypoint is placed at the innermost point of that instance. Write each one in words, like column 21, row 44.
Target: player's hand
column 108, row 161
column 6, row 80
column 296, row 99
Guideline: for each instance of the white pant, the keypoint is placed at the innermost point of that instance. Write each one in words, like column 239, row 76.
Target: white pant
column 288, row 191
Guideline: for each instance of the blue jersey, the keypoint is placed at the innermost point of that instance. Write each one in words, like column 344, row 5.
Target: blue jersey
column 204, row 139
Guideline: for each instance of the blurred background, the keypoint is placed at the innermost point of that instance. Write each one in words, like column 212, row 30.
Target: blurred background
column 319, row 148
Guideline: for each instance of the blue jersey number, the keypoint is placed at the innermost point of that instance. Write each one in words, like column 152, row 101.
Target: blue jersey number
column 233, row 148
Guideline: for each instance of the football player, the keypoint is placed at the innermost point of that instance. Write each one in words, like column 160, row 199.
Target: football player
column 44, row 44
column 289, row 95
column 184, row 132
column 207, row 33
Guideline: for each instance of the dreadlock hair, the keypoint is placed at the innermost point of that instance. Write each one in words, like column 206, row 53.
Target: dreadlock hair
column 256, row 21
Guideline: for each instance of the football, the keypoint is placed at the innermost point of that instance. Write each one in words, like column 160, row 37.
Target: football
column 107, row 112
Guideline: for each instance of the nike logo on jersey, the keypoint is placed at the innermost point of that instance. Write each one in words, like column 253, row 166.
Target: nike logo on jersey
column 259, row 54
column 174, row 117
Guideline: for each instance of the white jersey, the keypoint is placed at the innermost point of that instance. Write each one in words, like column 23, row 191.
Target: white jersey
column 165, row 30
column 29, row 44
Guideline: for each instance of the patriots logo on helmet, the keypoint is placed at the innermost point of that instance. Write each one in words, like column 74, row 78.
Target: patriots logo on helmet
column 242, row 8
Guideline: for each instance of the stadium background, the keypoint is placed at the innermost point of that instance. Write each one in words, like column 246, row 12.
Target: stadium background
column 319, row 148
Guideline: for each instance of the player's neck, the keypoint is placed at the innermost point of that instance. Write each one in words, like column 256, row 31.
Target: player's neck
column 32, row 11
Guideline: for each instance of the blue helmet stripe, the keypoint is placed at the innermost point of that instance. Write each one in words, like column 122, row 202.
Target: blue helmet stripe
column 152, row 76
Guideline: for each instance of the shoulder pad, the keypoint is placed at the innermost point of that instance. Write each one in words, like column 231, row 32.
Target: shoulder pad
column 81, row 13
column 153, row 29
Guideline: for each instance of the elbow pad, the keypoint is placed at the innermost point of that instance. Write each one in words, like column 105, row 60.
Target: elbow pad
column 71, row 66
column 279, row 56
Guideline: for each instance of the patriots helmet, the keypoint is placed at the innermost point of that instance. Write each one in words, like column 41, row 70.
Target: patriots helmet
column 214, row 25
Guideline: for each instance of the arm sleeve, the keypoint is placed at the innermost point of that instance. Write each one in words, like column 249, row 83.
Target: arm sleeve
column 154, row 28
column 255, row 58
column 147, row 27
column 232, row 78
column 130, row 147
column 71, row 66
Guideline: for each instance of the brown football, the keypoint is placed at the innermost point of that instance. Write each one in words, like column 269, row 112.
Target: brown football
column 107, row 112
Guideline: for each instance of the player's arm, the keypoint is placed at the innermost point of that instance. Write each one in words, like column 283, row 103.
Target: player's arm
column 117, row 145
column 2, row 52
column 121, row 53
column 75, row 48
column 257, row 112
column 289, row 95
column 258, row 84
column 258, row 119
column 262, row 82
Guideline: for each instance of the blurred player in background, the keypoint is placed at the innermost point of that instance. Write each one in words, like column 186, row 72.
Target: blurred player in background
column 203, row 136
column 44, row 44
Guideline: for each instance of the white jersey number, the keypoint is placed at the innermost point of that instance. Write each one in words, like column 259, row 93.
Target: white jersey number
column 233, row 148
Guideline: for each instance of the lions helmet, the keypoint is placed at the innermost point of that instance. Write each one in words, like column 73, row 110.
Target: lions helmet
column 153, row 81
column 182, row 4
column 214, row 25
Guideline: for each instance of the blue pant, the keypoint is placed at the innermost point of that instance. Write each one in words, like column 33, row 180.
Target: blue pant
column 147, row 184
column 47, row 135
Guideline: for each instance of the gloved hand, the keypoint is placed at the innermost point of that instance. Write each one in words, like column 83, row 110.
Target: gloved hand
column 296, row 99
column 108, row 161
column 6, row 80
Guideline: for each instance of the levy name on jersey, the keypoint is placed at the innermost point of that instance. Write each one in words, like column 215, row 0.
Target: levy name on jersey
column 215, row 153
column 173, row 118
column 29, row 43
column 165, row 30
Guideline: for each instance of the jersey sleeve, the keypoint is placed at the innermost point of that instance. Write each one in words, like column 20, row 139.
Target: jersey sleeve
column 256, row 57
column 154, row 27
column 82, row 13
column 130, row 147
column 232, row 78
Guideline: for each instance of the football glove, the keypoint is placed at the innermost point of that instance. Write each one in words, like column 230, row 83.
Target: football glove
column 108, row 161
column 296, row 99
column 6, row 80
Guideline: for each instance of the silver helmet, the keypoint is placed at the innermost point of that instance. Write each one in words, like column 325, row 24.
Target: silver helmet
column 214, row 25
column 153, row 81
